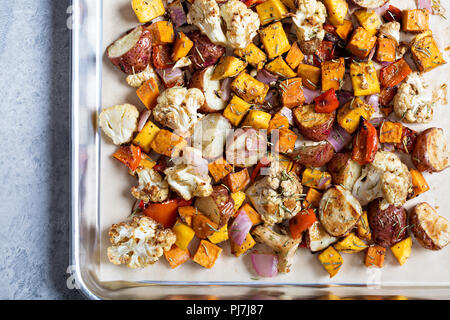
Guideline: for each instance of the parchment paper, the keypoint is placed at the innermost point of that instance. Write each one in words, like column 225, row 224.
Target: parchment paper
column 423, row 266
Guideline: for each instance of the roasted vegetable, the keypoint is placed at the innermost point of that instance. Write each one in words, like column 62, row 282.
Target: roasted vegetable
column 402, row 250
column 327, row 102
column 148, row 93
column 391, row 132
column 219, row 206
column 332, row 74
column 207, row 253
column 394, row 73
column 147, row 10
column 176, row 256
column 361, row 42
column 184, row 234
column 386, row 50
column 228, row 66
column 167, row 143
column 279, row 67
column 248, row 243
column 301, row 222
column 415, row 20
column 348, row 116
column 430, row 229
column 331, row 260
column 295, row 56
column 313, row 125
column 219, row 169
column 271, row 10
column 204, row 53
column 419, row 183
column 292, row 92
column 162, row 32
column 344, row 171
column 425, row 52
column 129, row 155
column 368, row 19
column 364, row 78
column 236, row 110
column 313, row 155
column 249, row 89
column 430, row 151
column 350, row 244
column 204, row 81
column 388, row 224
column 317, row 238
column 237, row 181
column 181, row 47
column 337, row 10
column 375, row 256
column 253, row 55
column 339, row 211
column 310, row 75
column 274, row 40
column 362, row 227
column 365, row 143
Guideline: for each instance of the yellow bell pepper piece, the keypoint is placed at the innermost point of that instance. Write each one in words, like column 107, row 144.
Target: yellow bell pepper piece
column 220, row 235
column 184, row 234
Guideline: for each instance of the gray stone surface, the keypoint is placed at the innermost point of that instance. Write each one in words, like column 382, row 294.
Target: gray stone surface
column 34, row 161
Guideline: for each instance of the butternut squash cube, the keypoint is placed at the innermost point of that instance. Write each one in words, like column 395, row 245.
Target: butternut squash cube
column 162, row 32
column 278, row 121
column 270, row 11
column 375, row 256
column 249, row 89
column 280, row 67
column 317, row 179
column 337, row 10
column 235, row 110
column 207, row 253
column 368, row 19
column 148, row 93
column 344, row 29
column 391, row 132
column 331, row 261
column 228, row 66
column 237, row 181
column 144, row 138
column 253, row 55
column 295, row 56
column 257, row 119
column 415, row 20
column 332, row 72
column 402, row 250
column 181, row 47
column 238, row 198
column 310, row 75
column 386, row 50
column 419, row 183
column 147, row 10
column 364, row 78
column 219, row 169
column 167, row 143
column 274, row 40
column 425, row 52
column 184, row 234
column 286, row 141
column 176, row 256
column 248, row 243
column 220, row 235
column 348, row 116
column 361, row 42
column 350, row 244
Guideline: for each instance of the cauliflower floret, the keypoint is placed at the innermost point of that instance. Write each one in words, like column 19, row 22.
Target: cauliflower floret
column 386, row 177
column 119, row 122
column 241, row 22
column 152, row 188
column 189, row 181
column 413, row 101
column 137, row 79
column 139, row 243
column 308, row 20
column 391, row 30
column 205, row 14
column 276, row 197
column 177, row 108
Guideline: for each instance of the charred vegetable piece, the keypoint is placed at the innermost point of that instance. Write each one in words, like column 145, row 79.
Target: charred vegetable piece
column 419, row 183
column 407, row 141
column 365, row 143
column 393, row 14
column 161, row 57
column 395, row 73
column 327, row 102
column 129, row 155
column 164, row 213
column 430, row 151
column 301, row 222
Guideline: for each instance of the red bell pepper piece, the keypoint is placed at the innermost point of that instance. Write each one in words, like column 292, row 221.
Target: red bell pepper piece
column 365, row 143
column 393, row 14
column 250, row 3
column 327, row 102
column 129, row 155
column 325, row 52
column 387, row 95
column 184, row 203
column 164, row 213
column 394, row 73
column 263, row 163
column 301, row 222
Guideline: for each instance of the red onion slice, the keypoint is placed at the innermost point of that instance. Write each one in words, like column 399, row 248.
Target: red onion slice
column 310, row 95
column 240, row 228
column 376, row 122
column 389, row 147
column 382, row 10
column 345, row 96
column 225, row 89
column 424, row 4
column 143, row 119
column 339, row 138
column 265, row 265
column 372, row 53
column 285, row 111
column 170, row 77
column 272, row 98
column 374, row 101
column 266, row 77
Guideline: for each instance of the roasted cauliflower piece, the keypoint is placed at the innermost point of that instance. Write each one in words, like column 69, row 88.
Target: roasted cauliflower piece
column 386, row 177
column 189, row 181
column 177, row 108
column 119, row 122
column 413, row 101
column 152, row 187
column 205, row 14
column 308, row 20
column 276, row 196
column 139, row 243
column 390, row 30
column 283, row 245
column 242, row 24
column 136, row 80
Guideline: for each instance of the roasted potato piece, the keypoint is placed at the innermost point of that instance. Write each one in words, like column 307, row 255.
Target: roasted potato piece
column 388, row 225
column 218, row 207
column 204, row 53
column 313, row 125
column 339, row 211
column 316, row 155
column 202, row 80
column 344, row 171
column 430, row 229
column 132, row 52
column 210, row 135
column 430, row 151
column 317, row 238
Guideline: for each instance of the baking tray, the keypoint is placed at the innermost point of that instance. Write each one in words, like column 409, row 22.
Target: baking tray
column 91, row 194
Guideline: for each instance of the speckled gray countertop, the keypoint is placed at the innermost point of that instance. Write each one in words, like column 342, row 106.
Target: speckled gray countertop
column 34, row 161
